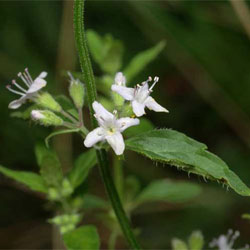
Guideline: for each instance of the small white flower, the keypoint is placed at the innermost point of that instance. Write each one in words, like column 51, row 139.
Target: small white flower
column 33, row 87
column 37, row 115
column 140, row 97
column 225, row 242
column 110, row 129
column 120, row 79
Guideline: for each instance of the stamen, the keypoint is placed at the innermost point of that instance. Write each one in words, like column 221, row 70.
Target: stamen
column 14, row 91
column 70, row 76
column 18, row 86
column 28, row 76
column 156, row 79
column 23, row 79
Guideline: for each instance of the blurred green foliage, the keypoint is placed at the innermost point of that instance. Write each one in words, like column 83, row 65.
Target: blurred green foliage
column 198, row 35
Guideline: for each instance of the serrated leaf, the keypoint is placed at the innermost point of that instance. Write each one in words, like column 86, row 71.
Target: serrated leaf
column 141, row 60
column 174, row 148
column 81, row 168
column 84, row 237
column 32, row 180
column 168, row 191
column 50, row 166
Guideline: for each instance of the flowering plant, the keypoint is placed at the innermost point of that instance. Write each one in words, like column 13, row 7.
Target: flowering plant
column 115, row 119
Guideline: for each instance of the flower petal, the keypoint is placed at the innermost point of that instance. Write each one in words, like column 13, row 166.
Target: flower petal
column 17, row 103
column 127, row 122
column 138, row 108
column 42, row 74
column 93, row 137
column 120, row 79
column 153, row 105
column 126, row 93
column 116, row 142
column 100, row 111
column 37, row 85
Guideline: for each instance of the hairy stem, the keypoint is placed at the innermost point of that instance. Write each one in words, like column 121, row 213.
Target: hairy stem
column 88, row 76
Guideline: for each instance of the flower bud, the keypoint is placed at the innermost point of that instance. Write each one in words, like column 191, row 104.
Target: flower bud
column 67, row 189
column 53, row 194
column 76, row 91
column 47, row 101
column 46, row 118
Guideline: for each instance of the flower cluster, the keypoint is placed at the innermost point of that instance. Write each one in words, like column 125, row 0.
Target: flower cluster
column 111, row 125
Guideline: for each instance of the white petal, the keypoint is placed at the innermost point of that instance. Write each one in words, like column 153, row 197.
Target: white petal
column 17, row 103
column 138, row 108
column 116, row 142
column 101, row 111
column 127, row 122
column 37, row 85
column 93, row 137
column 126, row 93
column 42, row 74
column 37, row 115
column 120, row 79
column 153, row 105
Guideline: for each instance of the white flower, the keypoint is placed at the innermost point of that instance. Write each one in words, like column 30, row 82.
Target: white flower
column 225, row 242
column 37, row 115
column 31, row 92
column 140, row 97
column 120, row 79
column 110, row 129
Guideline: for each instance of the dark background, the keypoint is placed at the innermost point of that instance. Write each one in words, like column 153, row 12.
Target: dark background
column 204, row 82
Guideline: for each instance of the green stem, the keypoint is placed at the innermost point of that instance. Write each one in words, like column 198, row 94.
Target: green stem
column 88, row 76
column 118, row 176
column 112, row 240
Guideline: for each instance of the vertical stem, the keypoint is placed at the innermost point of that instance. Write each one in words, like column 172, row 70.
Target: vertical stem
column 88, row 75
column 118, row 176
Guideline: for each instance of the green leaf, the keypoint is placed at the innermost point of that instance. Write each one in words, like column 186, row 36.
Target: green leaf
column 141, row 60
column 174, row 148
column 81, row 168
column 94, row 202
column 67, row 105
column 168, row 191
column 245, row 216
column 144, row 126
column 106, row 51
column 59, row 132
column 32, row 180
column 50, row 166
column 84, row 237
column 196, row 241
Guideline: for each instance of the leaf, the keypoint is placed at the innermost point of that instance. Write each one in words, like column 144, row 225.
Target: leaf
column 174, row 148
column 168, row 191
column 59, row 132
column 50, row 166
column 245, row 216
column 106, row 51
column 94, row 202
column 144, row 126
column 32, row 180
column 84, row 237
column 81, row 168
column 141, row 60
column 67, row 105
